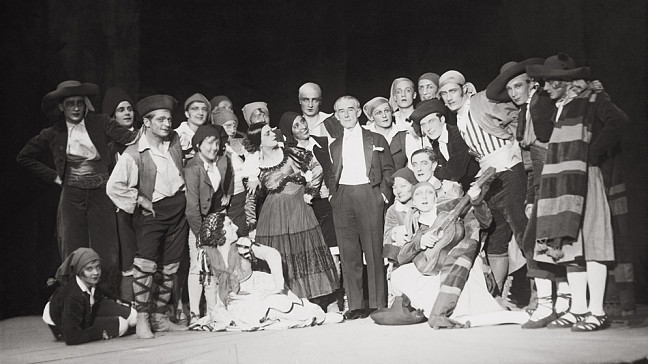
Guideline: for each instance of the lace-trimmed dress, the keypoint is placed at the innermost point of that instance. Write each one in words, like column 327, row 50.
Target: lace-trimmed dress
column 288, row 224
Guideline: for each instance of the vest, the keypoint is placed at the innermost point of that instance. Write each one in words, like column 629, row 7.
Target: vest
column 146, row 168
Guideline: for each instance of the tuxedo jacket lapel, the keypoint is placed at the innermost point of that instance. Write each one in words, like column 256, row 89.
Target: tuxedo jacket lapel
column 336, row 157
column 367, row 140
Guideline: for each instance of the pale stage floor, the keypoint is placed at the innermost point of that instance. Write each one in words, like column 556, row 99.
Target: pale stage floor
column 28, row 340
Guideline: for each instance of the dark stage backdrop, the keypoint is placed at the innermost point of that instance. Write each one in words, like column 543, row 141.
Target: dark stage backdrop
column 263, row 51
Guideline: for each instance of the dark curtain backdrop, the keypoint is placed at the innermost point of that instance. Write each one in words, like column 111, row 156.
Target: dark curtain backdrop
column 263, row 51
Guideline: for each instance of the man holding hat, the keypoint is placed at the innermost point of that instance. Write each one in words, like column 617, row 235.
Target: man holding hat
column 197, row 110
column 572, row 217
column 148, row 181
column 488, row 128
column 78, row 143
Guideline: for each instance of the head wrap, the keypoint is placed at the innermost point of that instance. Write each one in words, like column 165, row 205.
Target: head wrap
column 406, row 174
column 430, row 76
column 197, row 98
column 425, row 108
column 74, row 263
column 392, row 100
column 221, row 116
column 251, row 107
column 310, row 86
column 217, row 100
column 453, row 76
column 114, row 96
column 286, row 123
column 155, row 102
column 372, row 104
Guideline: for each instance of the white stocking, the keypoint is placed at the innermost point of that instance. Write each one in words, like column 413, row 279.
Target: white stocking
column 544, row 308
column 195, row 292
column 577, row 278
column 596, row 276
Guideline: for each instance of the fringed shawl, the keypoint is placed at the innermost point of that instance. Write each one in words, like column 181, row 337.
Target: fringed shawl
column 563, row 182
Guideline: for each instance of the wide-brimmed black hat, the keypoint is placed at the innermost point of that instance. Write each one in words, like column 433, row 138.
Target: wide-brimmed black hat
column 496, row 90
column 559, row 67
column 66, row 89
column 425, row 108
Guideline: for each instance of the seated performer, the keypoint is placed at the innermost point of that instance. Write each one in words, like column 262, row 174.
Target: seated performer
column 250, row 300
column 440, row 281
column 77, row 311
column 395, row 233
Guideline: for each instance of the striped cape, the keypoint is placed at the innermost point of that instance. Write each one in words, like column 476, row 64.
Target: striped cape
column 563, row 182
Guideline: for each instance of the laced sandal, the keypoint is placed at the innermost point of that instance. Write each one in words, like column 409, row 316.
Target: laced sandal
column 538, row 323
column 601, row 322
column 563, row 296
column 567, row 320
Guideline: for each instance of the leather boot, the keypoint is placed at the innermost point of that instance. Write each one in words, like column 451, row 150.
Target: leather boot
column 143, row 328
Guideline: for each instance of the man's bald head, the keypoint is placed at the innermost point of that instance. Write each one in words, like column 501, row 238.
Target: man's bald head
column 310, row 98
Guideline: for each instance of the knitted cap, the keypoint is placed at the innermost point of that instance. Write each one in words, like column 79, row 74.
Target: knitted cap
column 155, row 102
column 203, row 132
column 221, row 116
column 430, row 76
column 217, row 100
column 406, row 174
column 197, row 97
column 113, row 97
